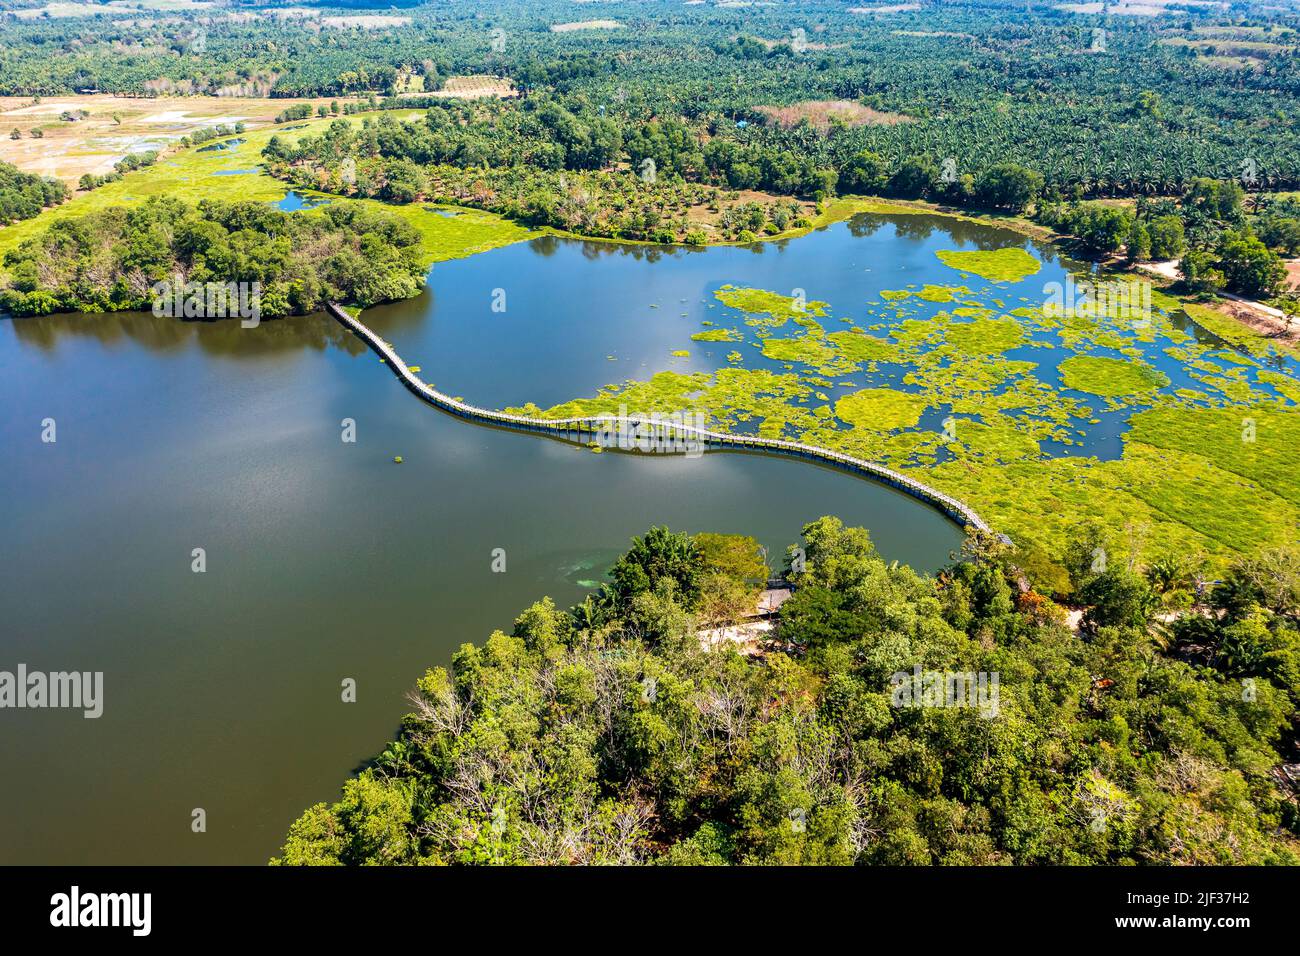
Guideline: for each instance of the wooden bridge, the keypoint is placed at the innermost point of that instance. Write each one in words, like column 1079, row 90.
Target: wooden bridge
column 958, row 511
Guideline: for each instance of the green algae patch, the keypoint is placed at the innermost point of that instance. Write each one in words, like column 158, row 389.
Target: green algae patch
column 997, row 265
column 998, row 440
column 808, row 349
column 664, row 392
column 881, row 409
column 985, row 336
column 718, row 335
column 1286, row 385
column 1098, row 375
column 928, row 293
column 779, row 308
column 858, row 346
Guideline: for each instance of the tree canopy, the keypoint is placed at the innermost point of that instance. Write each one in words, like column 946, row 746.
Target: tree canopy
column 608, row 734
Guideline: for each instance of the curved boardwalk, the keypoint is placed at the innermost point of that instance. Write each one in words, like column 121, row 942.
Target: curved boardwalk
column 958, row 511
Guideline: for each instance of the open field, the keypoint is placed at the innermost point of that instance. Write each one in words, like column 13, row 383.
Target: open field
column 586, row 25
column 115, row 127
column 820, row 113
column 1145, row 8
column 234, row 174
column 1233, row 52
column 60, row 10
column 474, row 87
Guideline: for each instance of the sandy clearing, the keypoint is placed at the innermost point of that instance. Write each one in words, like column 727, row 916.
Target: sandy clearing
column 67, row 151
column 365, row 22
column 747, row 638
column 585, row 25
column 820, row 113
column 184, row 117
column 888, row 8
column 40, row 109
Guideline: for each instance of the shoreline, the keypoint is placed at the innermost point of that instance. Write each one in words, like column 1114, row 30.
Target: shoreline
column 1257, row 334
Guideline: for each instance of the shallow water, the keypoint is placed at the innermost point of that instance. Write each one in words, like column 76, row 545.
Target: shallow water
column 580, row 315
column 224, row 145
column 294, row 202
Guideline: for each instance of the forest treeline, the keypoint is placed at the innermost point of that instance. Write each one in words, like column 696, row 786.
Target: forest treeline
column 1112, row 105
column 566, row 164
column 608, row 734
column 24, row 195
column 110, row 260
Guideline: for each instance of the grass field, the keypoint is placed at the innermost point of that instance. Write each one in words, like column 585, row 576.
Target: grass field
column 820, row 113
column 192, row 175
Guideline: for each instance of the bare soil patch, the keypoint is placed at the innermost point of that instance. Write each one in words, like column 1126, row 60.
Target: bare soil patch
column 68, row 150
column 585, row 25
column 1293, row 272
column 819, row 113
column 475, row 87
column 1253, row 316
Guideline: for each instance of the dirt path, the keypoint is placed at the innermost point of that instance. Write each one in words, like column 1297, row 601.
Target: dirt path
column 1256, row 316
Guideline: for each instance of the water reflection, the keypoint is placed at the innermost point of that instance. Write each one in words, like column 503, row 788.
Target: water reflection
column 221, row 337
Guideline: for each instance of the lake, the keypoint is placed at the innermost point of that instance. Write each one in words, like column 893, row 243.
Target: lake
column 326, row 560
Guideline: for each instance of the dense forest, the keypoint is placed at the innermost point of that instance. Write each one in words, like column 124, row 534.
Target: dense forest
column 977, row 82
column 1221, row 244
column 110, row 260
column 559, row 162
column 608, row 734
column 23, row 195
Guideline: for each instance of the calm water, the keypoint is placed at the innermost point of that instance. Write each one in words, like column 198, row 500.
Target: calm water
column 327, row 560
column 581, row 315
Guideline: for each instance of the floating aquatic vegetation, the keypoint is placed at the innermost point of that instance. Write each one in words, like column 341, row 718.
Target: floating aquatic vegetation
column 881, row 409
column 1099, row 375
column 998, row 265
column 719, row 335
column 946, row 385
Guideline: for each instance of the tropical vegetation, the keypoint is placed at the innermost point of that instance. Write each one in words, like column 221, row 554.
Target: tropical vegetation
column 111, row 260
column 611, row 733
